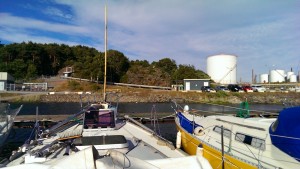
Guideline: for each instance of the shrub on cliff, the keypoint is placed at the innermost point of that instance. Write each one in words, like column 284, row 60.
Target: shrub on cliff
column 74, row 85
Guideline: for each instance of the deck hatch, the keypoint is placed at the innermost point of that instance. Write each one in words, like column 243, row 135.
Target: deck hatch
column 103, row 140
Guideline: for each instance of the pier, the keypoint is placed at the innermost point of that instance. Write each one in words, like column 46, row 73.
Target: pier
column 46, row 121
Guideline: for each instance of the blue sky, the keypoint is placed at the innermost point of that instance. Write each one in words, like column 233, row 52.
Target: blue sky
column 264, row 34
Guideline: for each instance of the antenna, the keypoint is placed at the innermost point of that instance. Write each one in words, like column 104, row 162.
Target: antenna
column 154, row 120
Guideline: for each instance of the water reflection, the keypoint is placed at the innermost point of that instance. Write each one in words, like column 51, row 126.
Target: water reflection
column 127, row 108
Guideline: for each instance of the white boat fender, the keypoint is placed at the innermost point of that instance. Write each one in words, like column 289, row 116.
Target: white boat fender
column 199, row 131
column 186, row 109
column 200, row 150
column 178, row 140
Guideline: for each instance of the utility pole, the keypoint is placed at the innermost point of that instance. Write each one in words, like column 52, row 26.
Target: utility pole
column 252, row 80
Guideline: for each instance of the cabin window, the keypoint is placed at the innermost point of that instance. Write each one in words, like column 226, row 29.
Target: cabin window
column 106, row 119
column 91, row 119
column 252, row 141
column 226, row 132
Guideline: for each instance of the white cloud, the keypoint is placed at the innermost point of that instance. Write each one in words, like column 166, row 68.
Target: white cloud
column 57, row 12
column 20, row 36
column 260, row 33
column 8, row 20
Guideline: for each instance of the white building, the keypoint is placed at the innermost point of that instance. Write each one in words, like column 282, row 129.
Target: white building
column 5, row 79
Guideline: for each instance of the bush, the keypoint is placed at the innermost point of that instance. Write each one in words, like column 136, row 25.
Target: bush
column 94, row 87
column 73, row 85
column 221, row 94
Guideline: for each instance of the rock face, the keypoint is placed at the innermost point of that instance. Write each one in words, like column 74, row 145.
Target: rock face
column 166, row 96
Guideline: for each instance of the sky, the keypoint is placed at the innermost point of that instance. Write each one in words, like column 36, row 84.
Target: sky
column 263, row 34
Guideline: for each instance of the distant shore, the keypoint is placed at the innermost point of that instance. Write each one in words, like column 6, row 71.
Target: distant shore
column 163, row 96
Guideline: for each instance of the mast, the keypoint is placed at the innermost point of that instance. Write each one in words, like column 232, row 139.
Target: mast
column 222, row 146
column 105, row 54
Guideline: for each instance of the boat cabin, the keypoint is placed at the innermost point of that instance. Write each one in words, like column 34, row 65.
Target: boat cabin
column 99, row 116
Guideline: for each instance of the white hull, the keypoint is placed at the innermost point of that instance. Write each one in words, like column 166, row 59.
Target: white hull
column 140, row 145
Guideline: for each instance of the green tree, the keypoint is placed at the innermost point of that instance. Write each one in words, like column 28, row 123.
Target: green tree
column 143, row 63
column 28, row 60
column 53, row 58
column 167, row 65
column 17, row 68
column 1, row 45
column 31, row 71
column 117, row 64
column 189, row 72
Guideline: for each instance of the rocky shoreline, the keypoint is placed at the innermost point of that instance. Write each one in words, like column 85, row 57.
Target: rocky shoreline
column 167, row 96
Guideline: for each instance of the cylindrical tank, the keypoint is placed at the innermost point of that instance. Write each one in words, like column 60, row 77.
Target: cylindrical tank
column 288, row 74
column 277, row 75
column 264, row 78
column 293, row 78
column 222, row 68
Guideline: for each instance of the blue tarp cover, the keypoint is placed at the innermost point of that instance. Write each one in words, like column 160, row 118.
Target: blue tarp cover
column 286, row 136
column 186, row 123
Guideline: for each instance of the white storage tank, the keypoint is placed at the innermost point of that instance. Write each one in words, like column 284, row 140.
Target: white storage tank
column 288, row 75
column 222, row 68
column 264, row 78
column 277, row 76
column 293, row 78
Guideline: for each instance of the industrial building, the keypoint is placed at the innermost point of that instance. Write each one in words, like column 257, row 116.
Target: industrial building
column 222, row 68
column 5, row 79
column 195, row 84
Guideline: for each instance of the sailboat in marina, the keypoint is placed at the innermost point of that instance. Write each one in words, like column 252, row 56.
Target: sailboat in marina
column 7, row 117
column 96, row 138
column 241, row 142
